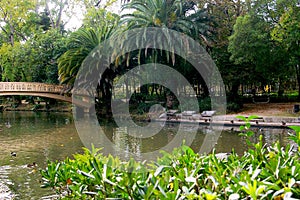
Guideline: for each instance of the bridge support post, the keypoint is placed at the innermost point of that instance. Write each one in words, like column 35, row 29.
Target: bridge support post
column 79, row 112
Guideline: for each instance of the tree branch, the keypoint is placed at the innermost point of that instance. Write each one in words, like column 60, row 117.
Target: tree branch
column 50, row 15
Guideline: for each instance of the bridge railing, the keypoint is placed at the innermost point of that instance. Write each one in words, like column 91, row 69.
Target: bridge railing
column 31, row 87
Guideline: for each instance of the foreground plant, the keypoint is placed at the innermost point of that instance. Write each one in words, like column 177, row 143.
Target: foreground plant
column 263, row 172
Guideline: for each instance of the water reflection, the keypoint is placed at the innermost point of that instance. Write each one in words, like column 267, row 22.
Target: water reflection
column 38, row 137
column 34, row 137
column 126, row 142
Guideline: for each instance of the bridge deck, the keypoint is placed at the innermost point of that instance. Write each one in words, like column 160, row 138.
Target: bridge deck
column 43, row 90
column 31, row 87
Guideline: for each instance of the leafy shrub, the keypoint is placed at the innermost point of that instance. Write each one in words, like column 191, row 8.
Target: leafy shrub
column 36, row 107
column 140, row 108
column 205, row 104
column 263, row 172
column 233, row 107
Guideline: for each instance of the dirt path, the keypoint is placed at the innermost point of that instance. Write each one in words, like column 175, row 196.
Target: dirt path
column 270, row 109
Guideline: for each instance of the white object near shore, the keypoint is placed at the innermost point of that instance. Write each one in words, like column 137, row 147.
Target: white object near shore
column 209, row 113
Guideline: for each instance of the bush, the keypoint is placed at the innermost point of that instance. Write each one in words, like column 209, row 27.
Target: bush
column 205, row 104
column 37, row 107
column 234, row 107
column 263, row 172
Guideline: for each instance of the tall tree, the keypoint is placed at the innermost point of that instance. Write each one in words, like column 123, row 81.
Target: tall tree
column 98, row 17
column 224, row 14
column 287, row 33
column 14, row 19
column 181, row 16
column 269, row 10
column 80, row 44
column 55, row 9
column 10, row 62
column 250, row 46
column 35, row 60
column 45, row 49
column 252, row 42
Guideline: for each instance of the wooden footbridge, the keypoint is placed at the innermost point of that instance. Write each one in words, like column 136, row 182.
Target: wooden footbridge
column 58, row 92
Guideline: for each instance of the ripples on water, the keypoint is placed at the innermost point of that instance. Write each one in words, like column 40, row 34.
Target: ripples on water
column 38, row 137
column 34, row 137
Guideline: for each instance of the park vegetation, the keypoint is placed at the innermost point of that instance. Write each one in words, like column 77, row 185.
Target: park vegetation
column 255, row 44
column 262, row 172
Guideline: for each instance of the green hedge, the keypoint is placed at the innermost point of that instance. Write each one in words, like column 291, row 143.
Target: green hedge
column 263, row 172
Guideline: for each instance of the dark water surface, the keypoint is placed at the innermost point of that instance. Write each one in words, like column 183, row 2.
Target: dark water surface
column 38, row 137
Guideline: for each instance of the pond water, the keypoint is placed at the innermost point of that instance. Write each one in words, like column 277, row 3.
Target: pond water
column 39, row 137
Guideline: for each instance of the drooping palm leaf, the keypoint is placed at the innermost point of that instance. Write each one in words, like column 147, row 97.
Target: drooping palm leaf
column 179, row 15
column 81, row 43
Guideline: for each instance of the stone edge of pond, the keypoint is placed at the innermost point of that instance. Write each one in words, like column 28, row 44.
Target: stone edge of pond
column 231, row 120
column 37, row 110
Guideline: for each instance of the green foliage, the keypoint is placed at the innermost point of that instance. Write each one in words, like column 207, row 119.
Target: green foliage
column 17, row 20
column 95, row 18
column 286, row 34
column 250, row 46
column 259, row 42
column 180, row 16
column 204, row 104
column 262, row 172
column 287, row 30
column 263, row 46
column 93, row 175
column 80, row 44
column 233, row 107
column 296, row 137
column 247, row 122
column 171, row 14
column 35, row 60
column 10, row 57
column 36, row 107
column 44, row 50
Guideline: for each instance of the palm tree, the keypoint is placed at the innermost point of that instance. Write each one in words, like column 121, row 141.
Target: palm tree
column 179, row 15
column 81, row 46
column 81, row 43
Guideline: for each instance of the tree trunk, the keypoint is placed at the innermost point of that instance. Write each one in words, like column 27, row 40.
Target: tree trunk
column 170, row 100
column 48, row 10
column 152, row 89
column 58, row 19
column 144, row 90
column 280, row 89
column 12, row 33
column 298, row 78
column 233, row 93
column 126, row 89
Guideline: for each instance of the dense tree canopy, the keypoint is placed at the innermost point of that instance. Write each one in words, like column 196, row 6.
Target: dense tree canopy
column 287, row 34
column 253, row 43
column 250, row 40
column 17, row 20
column 182, row 16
